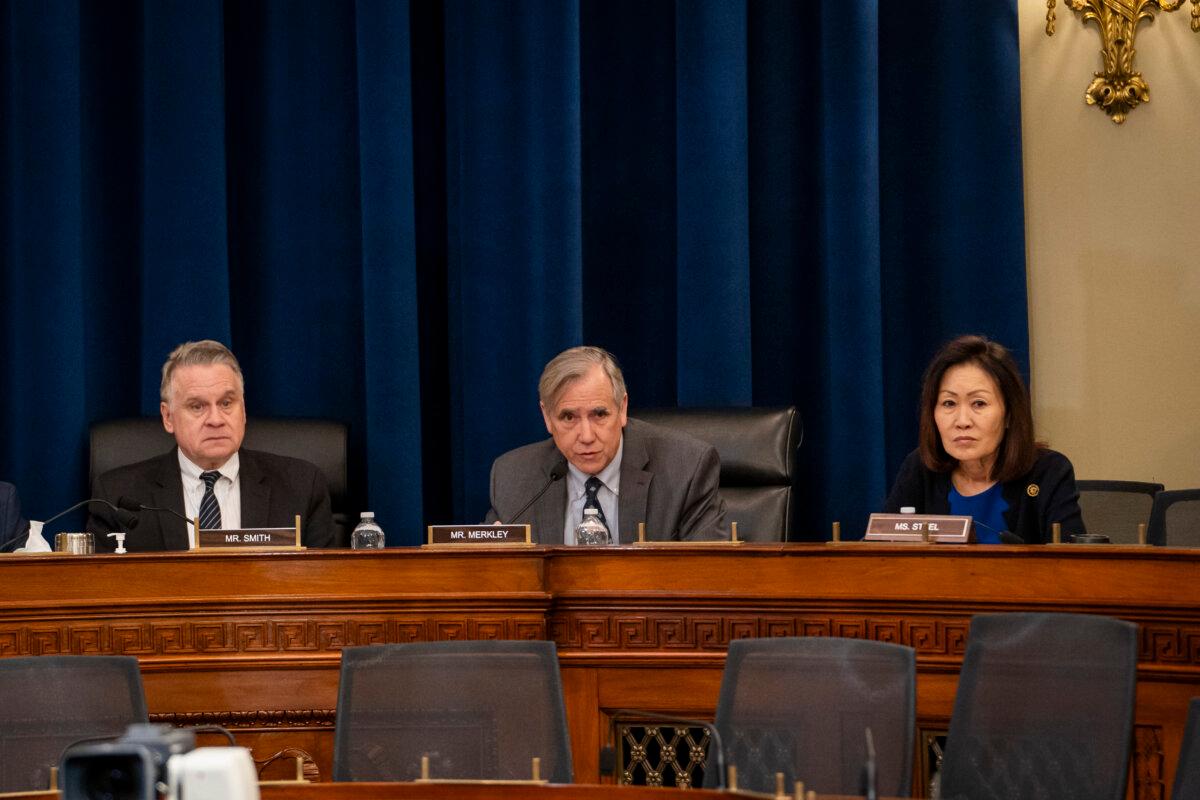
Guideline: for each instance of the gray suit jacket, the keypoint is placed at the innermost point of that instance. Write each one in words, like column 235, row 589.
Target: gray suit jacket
column 274, row 489
column 668, row 480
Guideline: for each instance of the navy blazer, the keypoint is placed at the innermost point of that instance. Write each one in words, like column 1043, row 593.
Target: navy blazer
column 13, row 526
column 1044, row 495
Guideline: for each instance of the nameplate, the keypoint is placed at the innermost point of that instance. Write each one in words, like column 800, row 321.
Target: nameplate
column 918, row 528
column 249, row 538
column 468, row 535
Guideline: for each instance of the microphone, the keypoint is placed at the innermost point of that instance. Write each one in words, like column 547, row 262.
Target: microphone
column 129, row 504
column 556, row 474
column 870, row 777
column 1006, row 537
column 714, row 736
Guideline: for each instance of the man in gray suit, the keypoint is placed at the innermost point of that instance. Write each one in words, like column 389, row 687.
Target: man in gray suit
column 630, row 470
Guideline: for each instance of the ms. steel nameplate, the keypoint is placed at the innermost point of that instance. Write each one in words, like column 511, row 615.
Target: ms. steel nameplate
column 467, row 535
column 918, row 528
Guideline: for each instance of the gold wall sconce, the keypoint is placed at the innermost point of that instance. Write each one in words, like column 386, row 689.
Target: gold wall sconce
column 1118, row 89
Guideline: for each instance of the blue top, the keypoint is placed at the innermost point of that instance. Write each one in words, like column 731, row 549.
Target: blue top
column 987, row 508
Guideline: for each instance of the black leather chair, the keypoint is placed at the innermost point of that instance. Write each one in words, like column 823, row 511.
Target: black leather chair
column 50, row 702
column 802, row 706
column 1116, row 508
column 118, row 442
column 480, row 710
column 1175, row 519
column 758, row 448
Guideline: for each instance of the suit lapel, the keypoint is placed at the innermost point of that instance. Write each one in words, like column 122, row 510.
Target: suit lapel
column 550, row 513
column 635, row 487
column 256, row 493
column 168, row 493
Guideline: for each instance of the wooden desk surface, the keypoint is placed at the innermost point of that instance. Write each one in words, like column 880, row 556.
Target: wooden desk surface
column 253, row 641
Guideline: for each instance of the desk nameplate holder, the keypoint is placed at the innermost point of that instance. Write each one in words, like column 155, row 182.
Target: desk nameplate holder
column 444, row 536
column 939, row 528
column 241, row 540
column 535, row 770
column 643, row 542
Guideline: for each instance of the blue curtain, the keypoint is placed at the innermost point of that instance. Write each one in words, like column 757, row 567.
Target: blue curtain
column 395, row 214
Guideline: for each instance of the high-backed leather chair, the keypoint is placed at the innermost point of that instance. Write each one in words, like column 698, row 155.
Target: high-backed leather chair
column 1175, row 518
column 118, row 442
column 758, row 448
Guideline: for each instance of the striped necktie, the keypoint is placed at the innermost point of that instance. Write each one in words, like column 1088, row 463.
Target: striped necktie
column 210, row 512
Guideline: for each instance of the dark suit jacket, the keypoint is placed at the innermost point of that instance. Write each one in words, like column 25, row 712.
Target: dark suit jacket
column 274, row 489
column 1031, row 511
column 12, row 525
column 668, row 480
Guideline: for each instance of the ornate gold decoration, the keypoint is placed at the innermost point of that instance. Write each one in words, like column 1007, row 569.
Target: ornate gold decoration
column 1118, row 89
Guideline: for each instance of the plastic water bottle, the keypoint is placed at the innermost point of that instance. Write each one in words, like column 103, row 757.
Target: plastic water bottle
column 592, row 531
column 367, row 533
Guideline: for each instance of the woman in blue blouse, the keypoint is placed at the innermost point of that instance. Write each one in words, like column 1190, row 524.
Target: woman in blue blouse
column 977, row 454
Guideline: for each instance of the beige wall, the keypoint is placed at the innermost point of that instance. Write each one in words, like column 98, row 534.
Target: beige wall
column 1112, row 221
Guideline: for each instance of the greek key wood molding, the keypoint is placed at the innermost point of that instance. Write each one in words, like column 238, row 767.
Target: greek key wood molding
column 312, row 718
column 217, row 637
column 707, row 631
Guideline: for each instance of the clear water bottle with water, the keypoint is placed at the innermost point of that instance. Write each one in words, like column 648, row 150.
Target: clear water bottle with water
column 367, row 533
column 592, row 531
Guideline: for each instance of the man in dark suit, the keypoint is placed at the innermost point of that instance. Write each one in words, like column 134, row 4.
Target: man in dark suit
column 12, row 526
column 208, row 475
column 629, row 470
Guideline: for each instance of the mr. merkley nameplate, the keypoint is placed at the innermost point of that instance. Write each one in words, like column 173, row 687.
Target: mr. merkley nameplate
column 468, row 535
column 918, row 528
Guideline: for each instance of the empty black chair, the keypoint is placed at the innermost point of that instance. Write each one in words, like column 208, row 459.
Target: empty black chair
column 50, row 702
column 1044, row 709
column 1175, row 519
column 1116, row 508
column 1187, row 771
column 478, row 710
column 757, row 447
column 118, row 442
column 801, row 706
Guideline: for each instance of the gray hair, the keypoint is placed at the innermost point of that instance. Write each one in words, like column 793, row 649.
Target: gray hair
column 198, row 354
column 573, row 364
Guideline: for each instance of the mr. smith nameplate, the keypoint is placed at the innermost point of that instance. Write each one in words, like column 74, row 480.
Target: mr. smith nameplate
column 468, row 535
column 249, row 538
column 918, row 528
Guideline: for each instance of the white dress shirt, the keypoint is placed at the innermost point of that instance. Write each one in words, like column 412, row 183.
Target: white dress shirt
column 227, row 489
column 610, row 478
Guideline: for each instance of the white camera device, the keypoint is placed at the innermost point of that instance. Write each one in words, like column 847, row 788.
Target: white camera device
column 212, row 773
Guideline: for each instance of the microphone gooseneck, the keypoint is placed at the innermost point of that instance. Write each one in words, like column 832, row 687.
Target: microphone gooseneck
column 124, row 518
column 556, row 474
column 131, row 504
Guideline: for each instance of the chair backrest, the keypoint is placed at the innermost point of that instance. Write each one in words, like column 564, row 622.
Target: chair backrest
column 1044, row 709
column 1116, row 508
column 478, row 709
column 1175, row 519
column 116, row 443
column 50, row 702
column 1187, row 771
column 757, row 447
column 801, row 706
